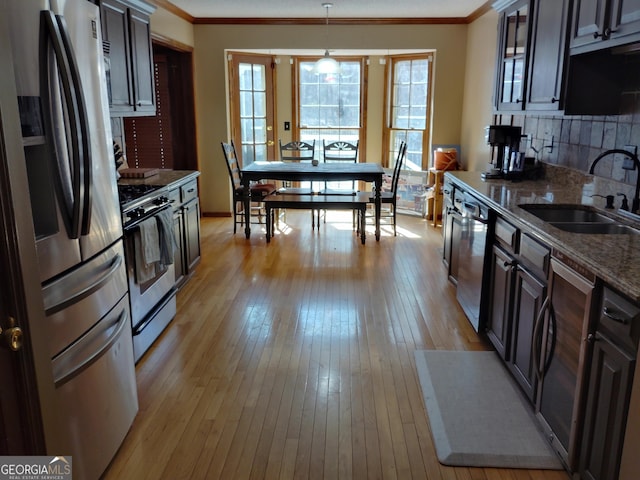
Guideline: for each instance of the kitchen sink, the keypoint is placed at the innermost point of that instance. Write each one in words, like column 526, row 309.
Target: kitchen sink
column 596, row 228
column 578, row 219
column 566, row 213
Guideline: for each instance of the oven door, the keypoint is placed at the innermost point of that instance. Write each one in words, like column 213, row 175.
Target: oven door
column 145, row 295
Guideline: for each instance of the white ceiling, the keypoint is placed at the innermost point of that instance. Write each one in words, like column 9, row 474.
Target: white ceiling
column 340, row 9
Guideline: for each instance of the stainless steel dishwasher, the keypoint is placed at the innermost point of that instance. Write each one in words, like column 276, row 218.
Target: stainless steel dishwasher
column 473, row 230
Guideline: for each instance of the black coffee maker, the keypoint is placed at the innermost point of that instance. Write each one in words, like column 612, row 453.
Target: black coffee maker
column 506, row 140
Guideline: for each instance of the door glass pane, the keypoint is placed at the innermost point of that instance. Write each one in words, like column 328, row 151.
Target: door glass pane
column 246, row 130
column 260, row 104
column 253, row 111
column 246, row 104
column 260, row 131
column 245, row 76
column 258, row 77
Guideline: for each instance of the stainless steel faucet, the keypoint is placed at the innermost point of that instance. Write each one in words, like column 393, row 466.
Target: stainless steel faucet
column 635, row 204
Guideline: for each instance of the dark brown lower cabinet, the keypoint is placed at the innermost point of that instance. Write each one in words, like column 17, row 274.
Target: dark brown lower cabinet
column 499, row 318
column 178, row 231
column 608, row 391
column 191, row 212
column 608, row 395
column 186, row 227
column 529, row 295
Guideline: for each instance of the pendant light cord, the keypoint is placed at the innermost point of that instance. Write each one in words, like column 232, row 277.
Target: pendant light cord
column 326, row 7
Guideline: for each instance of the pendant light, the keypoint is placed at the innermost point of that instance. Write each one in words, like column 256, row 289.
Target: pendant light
column 327, row 64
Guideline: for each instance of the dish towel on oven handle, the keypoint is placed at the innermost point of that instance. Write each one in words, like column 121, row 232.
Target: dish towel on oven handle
column 147, row 249
column 167, row 238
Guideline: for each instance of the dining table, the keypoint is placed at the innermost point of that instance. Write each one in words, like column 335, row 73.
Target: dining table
column 308, row 171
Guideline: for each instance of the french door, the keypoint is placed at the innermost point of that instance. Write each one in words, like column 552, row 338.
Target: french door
column 251, row 84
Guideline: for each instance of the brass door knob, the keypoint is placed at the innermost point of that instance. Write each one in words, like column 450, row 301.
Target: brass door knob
column 12, row 337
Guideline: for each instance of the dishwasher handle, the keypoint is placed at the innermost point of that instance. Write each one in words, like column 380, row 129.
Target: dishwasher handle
column 473, row 212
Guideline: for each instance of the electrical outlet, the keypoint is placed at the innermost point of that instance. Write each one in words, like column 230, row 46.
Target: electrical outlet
column 627, row 163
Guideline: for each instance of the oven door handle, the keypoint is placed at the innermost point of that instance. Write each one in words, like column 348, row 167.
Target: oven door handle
column 115, row 264
column 131, row 227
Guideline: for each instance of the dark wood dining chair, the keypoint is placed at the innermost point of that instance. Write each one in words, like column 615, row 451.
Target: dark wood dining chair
column 389, row 197
column 257, row 191
column 344, row 152
column 297, row 151
column 339, row 152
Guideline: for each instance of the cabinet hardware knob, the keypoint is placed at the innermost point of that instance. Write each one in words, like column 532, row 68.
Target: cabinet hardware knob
column 591, row 338
column 597, row 35
column 554, row 100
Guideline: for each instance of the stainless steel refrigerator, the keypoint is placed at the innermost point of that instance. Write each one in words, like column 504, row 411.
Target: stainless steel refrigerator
column 62, row 96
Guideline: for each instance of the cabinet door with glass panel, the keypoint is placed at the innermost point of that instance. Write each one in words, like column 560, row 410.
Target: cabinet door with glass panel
column 513, row 35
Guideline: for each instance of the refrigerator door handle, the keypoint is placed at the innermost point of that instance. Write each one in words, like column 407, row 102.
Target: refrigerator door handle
column 81, row 355
column 554, row 327
column 84, row 126
column 536, row 339
column 61, row 304
column 69, row 185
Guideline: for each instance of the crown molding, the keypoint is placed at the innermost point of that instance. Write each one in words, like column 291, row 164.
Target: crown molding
column 167, row 5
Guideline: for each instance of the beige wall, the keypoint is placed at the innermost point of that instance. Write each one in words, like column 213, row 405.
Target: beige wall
column 211, row 41
column 170, row 26
column 478, row 88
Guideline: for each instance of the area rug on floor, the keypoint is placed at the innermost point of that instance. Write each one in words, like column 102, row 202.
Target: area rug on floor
column 477, row 415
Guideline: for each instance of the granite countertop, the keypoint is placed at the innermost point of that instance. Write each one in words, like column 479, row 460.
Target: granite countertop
column 613, row 258
column 166, row 178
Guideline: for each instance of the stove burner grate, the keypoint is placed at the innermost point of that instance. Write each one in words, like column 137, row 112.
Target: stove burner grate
column 129, row 193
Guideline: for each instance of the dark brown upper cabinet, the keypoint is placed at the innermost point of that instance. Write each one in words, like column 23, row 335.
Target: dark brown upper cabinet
column 599, row 24
column 513, row 41
column 532, row 52
column 547, row 55
column 127, row 35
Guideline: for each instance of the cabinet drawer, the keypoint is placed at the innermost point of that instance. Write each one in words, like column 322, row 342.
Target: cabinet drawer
column 174, row 198
column 506, row 233
column 534, row 254
column 189, row 191
column 620, row 319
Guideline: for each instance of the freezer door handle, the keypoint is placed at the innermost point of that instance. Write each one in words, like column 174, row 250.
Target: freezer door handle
column 86, row 351
column 61, row 304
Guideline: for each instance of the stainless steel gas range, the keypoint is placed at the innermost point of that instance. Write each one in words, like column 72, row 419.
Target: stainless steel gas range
column 152, row 289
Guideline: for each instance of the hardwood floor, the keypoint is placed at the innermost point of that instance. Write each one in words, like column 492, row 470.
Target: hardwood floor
column 295, row 360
